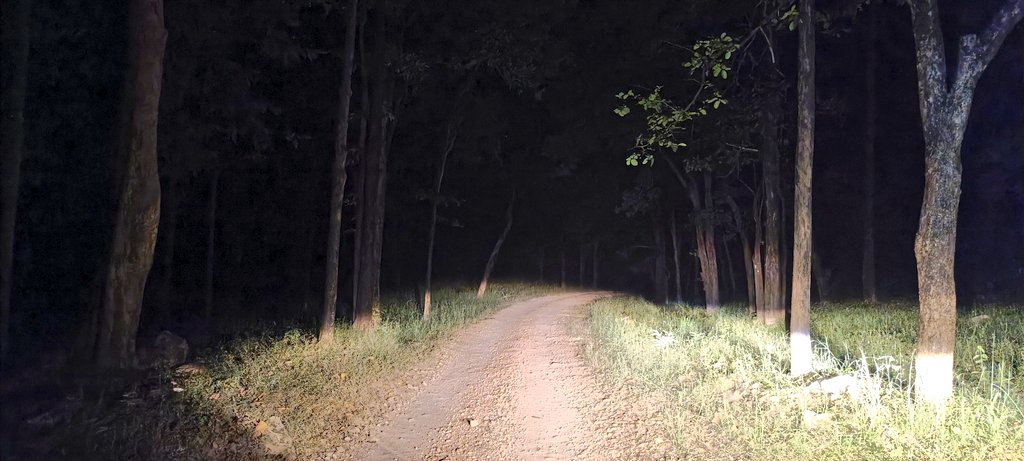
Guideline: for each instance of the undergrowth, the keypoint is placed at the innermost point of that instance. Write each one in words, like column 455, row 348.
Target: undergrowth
column 316, row 392
column 728, row 394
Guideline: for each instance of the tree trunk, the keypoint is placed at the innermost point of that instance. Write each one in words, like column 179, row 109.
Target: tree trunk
column 338, row 177
column 364, row 130
column 211, row 243
column 758, row 260
column 944, row 113
column 675, row 257
column 138, row 211
column 497, row 246
column 870, row 111
column 774, row 305
column 374, row 169
column 12, row 128
column 170, row 225
column 705, row 237
column 449, row 144
column 593, row 267
column 800, row 318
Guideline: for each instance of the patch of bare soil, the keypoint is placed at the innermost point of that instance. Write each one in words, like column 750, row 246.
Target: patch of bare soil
column 512, row 386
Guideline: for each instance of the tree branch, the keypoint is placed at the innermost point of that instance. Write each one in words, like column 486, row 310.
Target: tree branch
column 977, row 52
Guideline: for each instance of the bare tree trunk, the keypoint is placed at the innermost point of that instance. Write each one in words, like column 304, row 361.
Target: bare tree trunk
column 211, row 243
column 374, row 168
column 364, row 127
column 870, row 113
column 706, row 251
column 594, row 266
column 449, row 144
column 15, row 32
column 138, row 211
column 497, row 246
column 675, row 256
column 800, row 319
column 944, row 112
column 339, row 175
column 774, row 304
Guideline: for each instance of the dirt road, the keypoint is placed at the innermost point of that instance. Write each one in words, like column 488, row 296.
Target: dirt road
column 514, row 386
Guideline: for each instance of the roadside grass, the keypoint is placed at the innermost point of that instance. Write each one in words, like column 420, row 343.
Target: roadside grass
column 729, row 396
column 222, row 412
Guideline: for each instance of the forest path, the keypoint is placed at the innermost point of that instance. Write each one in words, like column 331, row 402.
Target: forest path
column 515, row 386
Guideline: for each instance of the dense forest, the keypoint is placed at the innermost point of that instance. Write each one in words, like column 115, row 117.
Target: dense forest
column 209, row 169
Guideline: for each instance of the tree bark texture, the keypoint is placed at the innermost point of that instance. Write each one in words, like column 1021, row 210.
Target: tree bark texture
column 870, row 114
column 800, row 314
column 945, row 107
column 748, row 263
column 339, row 175
column 374, row 177
column 705, row 237
column 138, row 211
column 12, row 128
column 497, row 247
column 757, row 259
column 774, row 305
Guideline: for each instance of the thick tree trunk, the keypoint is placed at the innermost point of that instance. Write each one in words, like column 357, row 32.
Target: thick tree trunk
column 374, row 168
column 138, row 211
column 774, row 304
column 870, row 111
column 339, row 175
column 675, row 257
column 12, row 128
column 364, row 130
column 497, row 247
column 705, row 237
column 800, row 318
column 944, row 112
column 211, row 243
column 450, row 135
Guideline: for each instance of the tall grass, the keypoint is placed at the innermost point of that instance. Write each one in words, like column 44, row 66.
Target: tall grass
column 316, row 391
column 726, row 385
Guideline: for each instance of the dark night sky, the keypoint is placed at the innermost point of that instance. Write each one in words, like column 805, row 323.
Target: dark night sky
column 557, row 140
